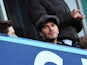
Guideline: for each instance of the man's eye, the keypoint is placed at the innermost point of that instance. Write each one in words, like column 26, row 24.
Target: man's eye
column 45, row 27
column 53, row 24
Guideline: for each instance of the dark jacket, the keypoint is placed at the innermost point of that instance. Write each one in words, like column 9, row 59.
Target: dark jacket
column 38, row 8
column 59, row 42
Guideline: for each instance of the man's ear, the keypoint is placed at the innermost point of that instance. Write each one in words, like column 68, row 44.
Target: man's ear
column 41, row 34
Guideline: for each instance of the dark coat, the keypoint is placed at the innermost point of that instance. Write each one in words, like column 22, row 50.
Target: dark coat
column 38, row 8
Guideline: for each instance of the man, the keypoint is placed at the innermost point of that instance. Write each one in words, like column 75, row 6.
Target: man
column 83, row 42
column 70, row 22
column 48, row 29
column 7, row 28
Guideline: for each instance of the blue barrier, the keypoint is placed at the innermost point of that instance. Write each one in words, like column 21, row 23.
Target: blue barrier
column 21, row 51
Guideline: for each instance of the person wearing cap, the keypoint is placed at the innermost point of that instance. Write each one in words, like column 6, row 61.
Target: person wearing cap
column 70, row 21
column 48, row 27
column 6, row 27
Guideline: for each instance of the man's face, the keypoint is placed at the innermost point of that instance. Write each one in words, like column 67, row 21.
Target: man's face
column 11, row 31
column 50, row 31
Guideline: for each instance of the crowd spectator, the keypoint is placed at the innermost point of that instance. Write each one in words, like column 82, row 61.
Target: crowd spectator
column 6, row 27
column 70, row 22
column 83, row 42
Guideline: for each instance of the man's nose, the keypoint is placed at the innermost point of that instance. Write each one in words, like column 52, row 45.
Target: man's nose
column 51, row 28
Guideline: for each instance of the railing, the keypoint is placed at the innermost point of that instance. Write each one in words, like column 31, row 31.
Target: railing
column 21, row 51
column 3, row 13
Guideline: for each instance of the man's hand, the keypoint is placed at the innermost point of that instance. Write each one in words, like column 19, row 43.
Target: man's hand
column 77, row 15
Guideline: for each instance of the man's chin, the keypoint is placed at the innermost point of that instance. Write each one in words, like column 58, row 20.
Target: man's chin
column 50, row 39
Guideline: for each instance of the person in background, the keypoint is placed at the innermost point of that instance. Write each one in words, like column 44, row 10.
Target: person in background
column 83, row 42
column 48, row 28
column 70, row 22
column 6, row 27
